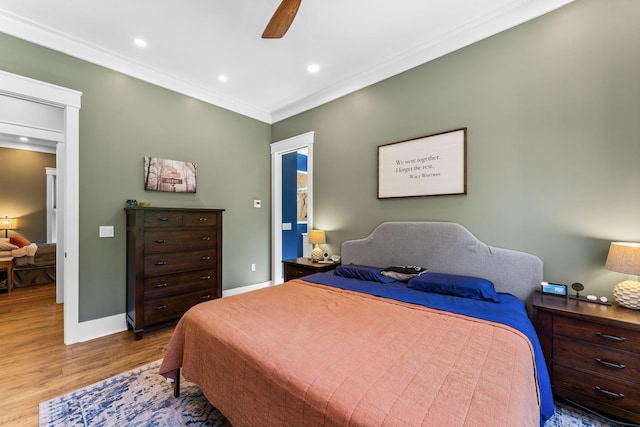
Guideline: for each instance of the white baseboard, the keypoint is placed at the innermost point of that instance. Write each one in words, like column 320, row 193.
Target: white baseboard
column 104, row 326
column 243, row 289
column 97, row 328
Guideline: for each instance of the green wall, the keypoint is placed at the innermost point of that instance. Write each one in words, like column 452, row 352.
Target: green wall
column 123, row 119
column 552, row 109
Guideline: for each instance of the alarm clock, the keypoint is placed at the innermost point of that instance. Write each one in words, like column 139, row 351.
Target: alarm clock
column 553, row 289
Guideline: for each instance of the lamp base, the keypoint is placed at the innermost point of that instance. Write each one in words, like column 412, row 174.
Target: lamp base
column 627, row 294
column 316, row 253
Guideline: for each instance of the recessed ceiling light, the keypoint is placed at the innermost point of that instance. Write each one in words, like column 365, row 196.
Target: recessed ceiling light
column 313, row 68
column 140, row 42
column 223, row 78
column 24, row 139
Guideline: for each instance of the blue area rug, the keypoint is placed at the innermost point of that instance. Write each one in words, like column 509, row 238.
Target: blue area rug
column 141, row 397
column 568, row 416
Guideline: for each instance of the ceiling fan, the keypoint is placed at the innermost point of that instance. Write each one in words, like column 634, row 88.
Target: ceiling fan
column 281, row 19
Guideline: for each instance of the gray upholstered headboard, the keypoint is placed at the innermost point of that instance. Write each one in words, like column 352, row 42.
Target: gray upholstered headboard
column 446, row 247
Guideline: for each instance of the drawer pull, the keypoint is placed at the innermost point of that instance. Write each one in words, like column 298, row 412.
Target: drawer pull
column 161, row 263
column 202, row 219
column 206, row 239
column 160, row 307
column 160, row 241
column 160, row 285
column 205, row 297
column 609, row 364
column 610, row 393
column 610, row 337
column 164, row 218
column 205, row 277
column 205, row 258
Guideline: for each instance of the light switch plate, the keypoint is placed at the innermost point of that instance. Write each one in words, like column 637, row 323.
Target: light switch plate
column 106, row 231
column 257, row 203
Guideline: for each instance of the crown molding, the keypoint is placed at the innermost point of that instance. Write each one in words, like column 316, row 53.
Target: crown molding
column 515, row 13
column 482, row 28
column 33, row 32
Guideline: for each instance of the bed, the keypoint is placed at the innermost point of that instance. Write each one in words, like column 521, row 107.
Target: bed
column 357, row 347
column 33, row 263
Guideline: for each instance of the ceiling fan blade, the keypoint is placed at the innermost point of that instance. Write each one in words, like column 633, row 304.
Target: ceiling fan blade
column 282, row 19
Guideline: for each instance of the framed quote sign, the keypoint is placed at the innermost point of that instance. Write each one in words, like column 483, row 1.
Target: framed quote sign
column 432, row 165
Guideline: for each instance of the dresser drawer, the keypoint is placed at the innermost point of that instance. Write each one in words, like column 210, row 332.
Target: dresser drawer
column 200, row 219
column 172, row 307
column 603, row 389
column 597, row 358
column 175, row 262
column 598, row 333
column 167, row 241
column 163, row 219
column 171, row 284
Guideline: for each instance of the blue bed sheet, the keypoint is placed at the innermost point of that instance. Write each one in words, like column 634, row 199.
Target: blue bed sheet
column 509, row 311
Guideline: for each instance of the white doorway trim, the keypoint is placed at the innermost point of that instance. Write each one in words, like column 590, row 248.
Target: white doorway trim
column 67, row 164
column 278, row 149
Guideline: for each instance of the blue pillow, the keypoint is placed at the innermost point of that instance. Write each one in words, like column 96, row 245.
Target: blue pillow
column 362, row 272
column 452, row 284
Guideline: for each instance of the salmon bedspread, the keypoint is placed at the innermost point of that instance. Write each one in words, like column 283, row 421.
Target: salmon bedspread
column 304, row 354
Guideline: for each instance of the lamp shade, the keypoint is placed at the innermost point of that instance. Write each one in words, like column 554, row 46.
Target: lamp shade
column 8, row 223
column 317, row 237
column 624, row 257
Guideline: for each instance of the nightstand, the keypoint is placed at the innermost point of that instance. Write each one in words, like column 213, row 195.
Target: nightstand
column 300, row 267
column 7, row 264
column 592, row 352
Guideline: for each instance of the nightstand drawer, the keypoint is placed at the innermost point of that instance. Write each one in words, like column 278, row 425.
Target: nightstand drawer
column 300, row 267
column 296, row 272
column 608, row 391
column 596, row 358
column 598, row 333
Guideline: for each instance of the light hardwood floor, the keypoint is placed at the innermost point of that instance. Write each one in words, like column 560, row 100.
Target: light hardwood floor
column 37, row 366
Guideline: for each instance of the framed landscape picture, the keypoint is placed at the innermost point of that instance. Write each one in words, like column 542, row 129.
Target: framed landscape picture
column 169, row 175
column 432, row 165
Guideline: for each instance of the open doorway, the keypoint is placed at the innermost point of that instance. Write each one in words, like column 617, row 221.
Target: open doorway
column 48, row 112
column 294, row 203
column 301, row 145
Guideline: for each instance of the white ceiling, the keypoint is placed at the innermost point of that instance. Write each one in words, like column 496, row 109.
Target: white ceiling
column 192, row 42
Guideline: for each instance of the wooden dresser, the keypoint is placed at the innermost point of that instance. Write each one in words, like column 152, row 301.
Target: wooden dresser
column 174, row 261
column 593, row 353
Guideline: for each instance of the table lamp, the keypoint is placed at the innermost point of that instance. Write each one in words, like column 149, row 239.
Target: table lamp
column 624, row 257
column 317, row 237
column 7, row 224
